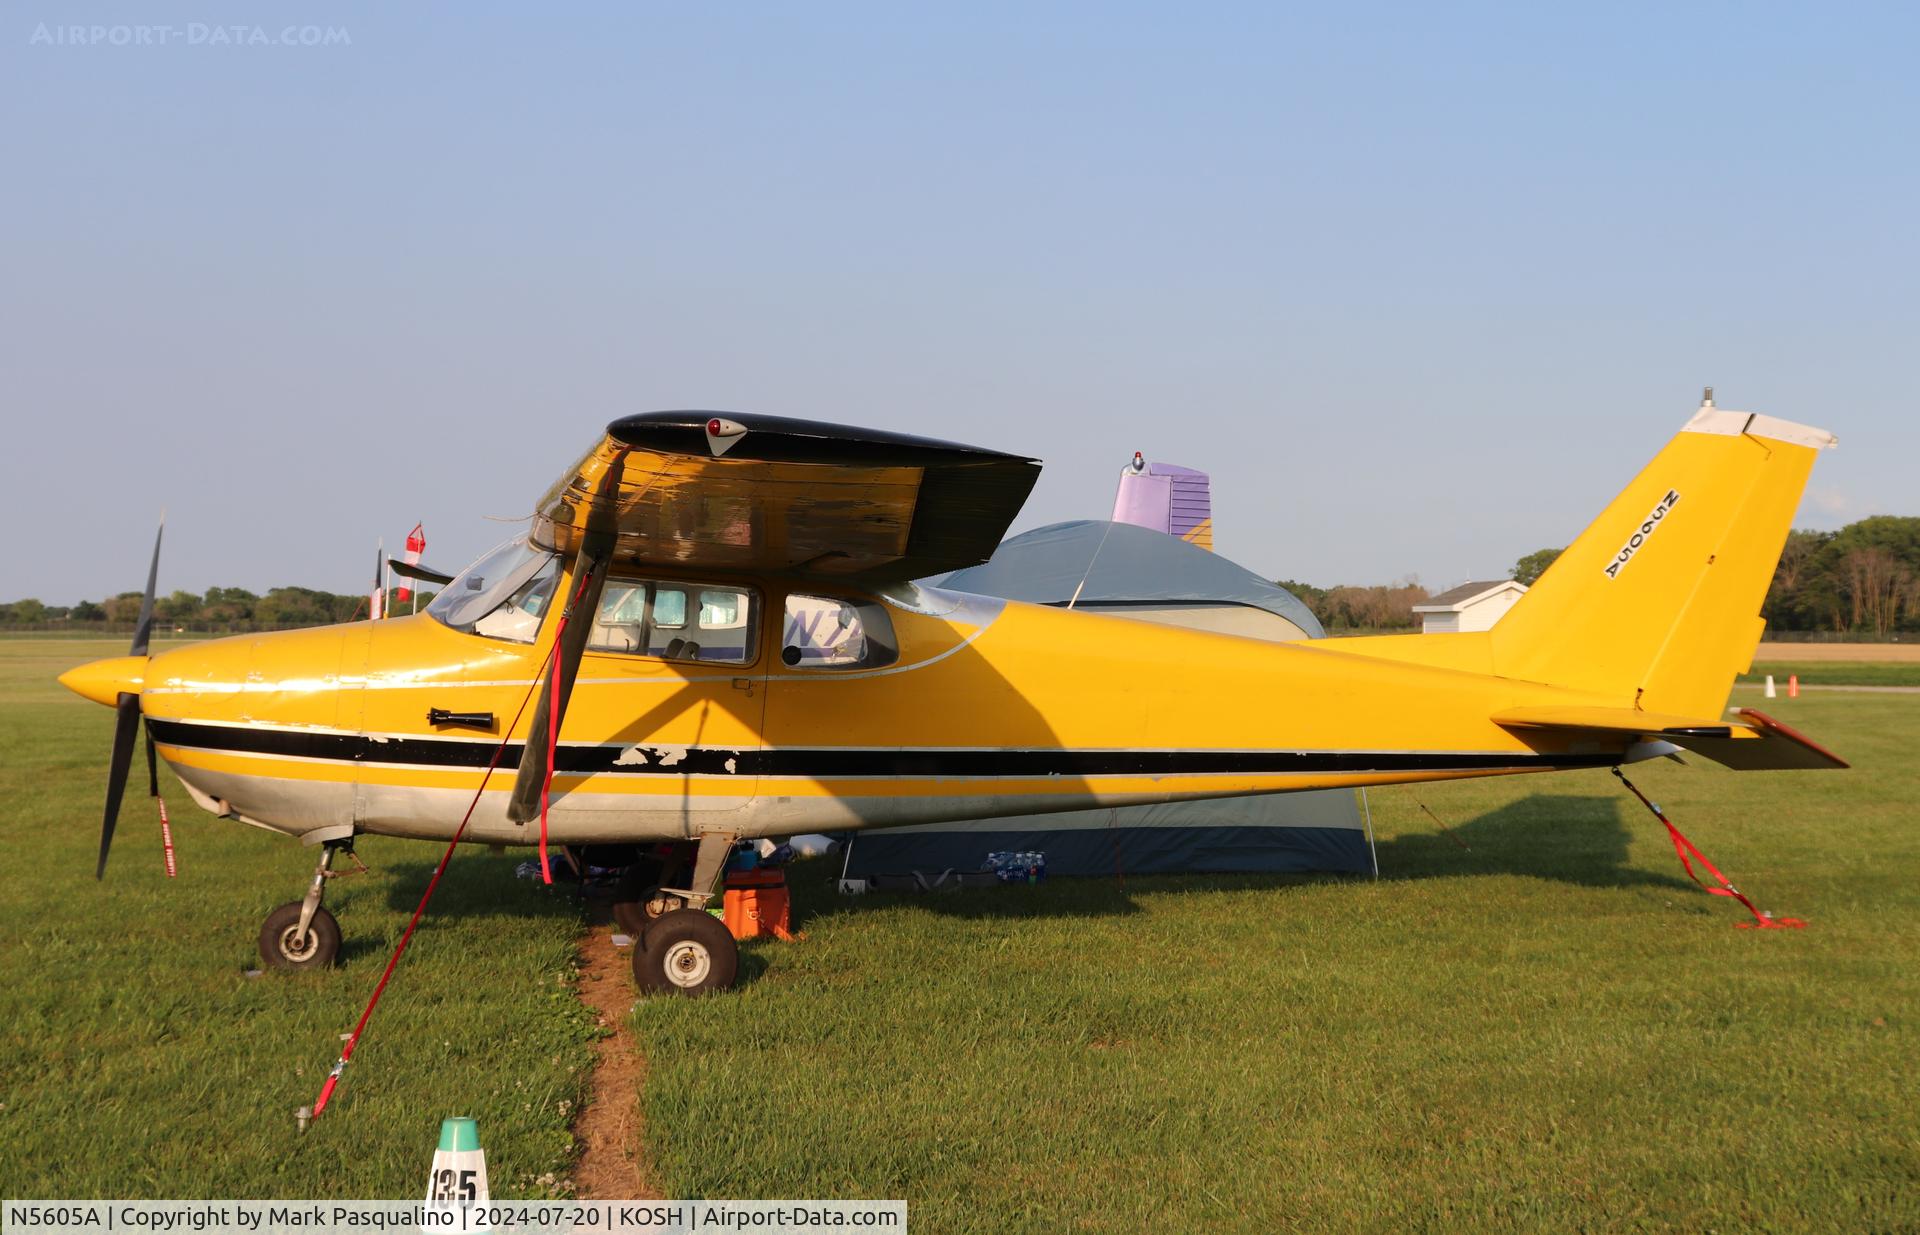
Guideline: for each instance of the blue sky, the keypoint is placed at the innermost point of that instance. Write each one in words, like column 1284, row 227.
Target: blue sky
column 1421, row 286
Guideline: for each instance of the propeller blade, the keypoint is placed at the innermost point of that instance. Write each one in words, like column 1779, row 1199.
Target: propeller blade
column 126, row 718
column 143, row 629
column 413, row 570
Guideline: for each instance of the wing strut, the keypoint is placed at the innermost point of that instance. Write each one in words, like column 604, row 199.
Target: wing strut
column 533, row 784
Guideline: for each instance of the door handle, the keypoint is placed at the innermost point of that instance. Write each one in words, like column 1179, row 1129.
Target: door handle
column 473, row 720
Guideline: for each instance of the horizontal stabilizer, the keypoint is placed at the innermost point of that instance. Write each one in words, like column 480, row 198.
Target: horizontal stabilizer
column 1612, row 720
column 1757, row 743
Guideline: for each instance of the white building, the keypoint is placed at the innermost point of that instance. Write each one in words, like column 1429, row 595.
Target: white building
column 1471, row 606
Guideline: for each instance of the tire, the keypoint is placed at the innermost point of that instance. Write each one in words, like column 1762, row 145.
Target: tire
column 631, row 894
column 277, row 945
column 686, row 952
column 631, row 918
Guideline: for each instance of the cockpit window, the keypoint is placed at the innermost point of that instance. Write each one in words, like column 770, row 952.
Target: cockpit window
column 504, row 595
column 826, row 632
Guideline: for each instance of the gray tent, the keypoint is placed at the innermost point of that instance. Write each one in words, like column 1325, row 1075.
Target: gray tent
column 1134, row 572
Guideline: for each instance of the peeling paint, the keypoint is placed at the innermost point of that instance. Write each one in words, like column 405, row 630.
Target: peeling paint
column 670, row 755
column 630, row 757
column 730, row 765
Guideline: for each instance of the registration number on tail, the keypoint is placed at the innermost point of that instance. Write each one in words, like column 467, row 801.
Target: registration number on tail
column 1640, row 534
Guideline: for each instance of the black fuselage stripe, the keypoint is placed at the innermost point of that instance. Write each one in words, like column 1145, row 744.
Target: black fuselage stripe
column 829, row 762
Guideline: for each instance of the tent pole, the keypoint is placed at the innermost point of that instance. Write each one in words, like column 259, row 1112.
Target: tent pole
column 1367, row 808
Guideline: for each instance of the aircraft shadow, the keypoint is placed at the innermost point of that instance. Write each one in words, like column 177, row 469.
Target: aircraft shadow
column 1569, row 838
column 1575, row 839
column 479, row 884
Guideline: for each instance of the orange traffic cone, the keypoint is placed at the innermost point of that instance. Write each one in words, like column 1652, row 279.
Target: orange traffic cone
column 1793, row 686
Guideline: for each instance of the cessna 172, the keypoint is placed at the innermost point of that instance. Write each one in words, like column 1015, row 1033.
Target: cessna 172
column 714, row 621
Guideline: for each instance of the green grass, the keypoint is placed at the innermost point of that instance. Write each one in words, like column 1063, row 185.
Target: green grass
column 1551, row 1030
column 136, row 1058
column 1837, row 673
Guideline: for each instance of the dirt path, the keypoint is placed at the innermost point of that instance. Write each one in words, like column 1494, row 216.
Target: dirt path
column 611, row 1129
column 1803, row 652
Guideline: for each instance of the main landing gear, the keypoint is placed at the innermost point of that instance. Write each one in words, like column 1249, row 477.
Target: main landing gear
column 680, row 947
column 300, row 934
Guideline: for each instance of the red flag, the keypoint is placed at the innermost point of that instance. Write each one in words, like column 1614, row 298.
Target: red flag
column 416, row 545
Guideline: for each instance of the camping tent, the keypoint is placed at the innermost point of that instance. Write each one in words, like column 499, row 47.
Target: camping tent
column 1133, row 572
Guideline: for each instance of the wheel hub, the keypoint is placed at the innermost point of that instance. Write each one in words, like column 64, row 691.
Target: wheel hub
column 297, row 947
column 688, row 963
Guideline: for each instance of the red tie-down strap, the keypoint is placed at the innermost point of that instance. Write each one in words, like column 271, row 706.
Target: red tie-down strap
column 1688, row 851
column 166, row 837
column 406, row 936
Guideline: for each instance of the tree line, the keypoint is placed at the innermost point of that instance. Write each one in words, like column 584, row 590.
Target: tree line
column 1863, row 580
column 221, row 610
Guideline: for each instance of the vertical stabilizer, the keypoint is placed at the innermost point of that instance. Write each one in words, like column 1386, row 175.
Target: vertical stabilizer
column 1658, row 601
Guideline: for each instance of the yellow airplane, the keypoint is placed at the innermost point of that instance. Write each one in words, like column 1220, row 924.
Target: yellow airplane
column 715, row 615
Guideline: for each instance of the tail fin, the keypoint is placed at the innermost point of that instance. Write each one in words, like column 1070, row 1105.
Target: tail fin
column 1658, row 601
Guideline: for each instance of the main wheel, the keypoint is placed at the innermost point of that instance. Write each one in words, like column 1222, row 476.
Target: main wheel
column 631, row 894
column 689, row 952
column 281, row 949
column 631, row 918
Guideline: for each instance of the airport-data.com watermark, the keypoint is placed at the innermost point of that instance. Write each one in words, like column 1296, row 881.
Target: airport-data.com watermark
column 188, row 34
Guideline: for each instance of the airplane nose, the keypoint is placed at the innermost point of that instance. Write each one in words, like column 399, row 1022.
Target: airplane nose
column 103, row 681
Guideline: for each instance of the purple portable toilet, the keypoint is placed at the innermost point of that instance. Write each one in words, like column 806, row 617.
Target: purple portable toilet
column 1166, row 498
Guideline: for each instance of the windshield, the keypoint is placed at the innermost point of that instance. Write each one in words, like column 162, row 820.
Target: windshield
column 501, row 596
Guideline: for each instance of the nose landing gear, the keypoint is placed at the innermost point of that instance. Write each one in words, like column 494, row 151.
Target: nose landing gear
column 301, row 934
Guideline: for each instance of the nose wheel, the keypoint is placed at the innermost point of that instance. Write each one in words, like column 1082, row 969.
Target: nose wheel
column 284, row 945
column 302, row 934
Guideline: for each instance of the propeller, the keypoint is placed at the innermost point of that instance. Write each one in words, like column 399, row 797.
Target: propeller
column 127, row 718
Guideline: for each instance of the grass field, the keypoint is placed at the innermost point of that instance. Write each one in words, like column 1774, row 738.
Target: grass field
column 1548, row 1030
column 139, row 1059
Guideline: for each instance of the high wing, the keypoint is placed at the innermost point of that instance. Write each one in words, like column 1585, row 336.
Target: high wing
column 1756, row 743
column 737, row 492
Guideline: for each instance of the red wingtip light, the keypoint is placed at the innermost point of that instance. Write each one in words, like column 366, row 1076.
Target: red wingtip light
column 713, row 426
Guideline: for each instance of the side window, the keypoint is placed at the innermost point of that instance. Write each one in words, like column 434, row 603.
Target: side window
column 674, row 621
column 668, row 634
column 826, row 632
column 620, row 626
